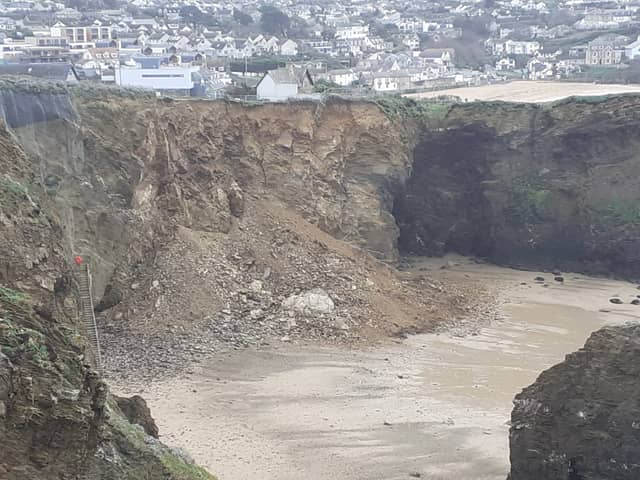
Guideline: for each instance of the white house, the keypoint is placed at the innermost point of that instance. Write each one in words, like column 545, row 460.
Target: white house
column 632, row 50
column 182, row 79
column 352, row 32
column 411, row 40
column 513, row 47
column 284, row 83
column 342, row 77
column 289, row 48
column 505, row 64
column 387, row 81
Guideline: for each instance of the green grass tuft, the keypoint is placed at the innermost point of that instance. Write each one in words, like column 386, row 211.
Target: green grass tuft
column 11, row 296
column 182, row 470
column 529, row 200
column 396, row 106
column 622, row 213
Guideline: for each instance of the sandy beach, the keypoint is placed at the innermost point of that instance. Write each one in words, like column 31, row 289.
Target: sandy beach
column 433, row 406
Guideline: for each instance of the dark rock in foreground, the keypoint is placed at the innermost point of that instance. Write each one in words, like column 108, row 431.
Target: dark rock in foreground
column 580, row 420
column 135, row 409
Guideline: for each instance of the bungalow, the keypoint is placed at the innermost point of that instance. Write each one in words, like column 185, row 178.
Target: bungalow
column 284, row 83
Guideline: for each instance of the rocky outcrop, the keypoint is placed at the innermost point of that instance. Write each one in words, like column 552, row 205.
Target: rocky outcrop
column 579, row 420
column 56, row 416
column 550, row 186
column 135, row 409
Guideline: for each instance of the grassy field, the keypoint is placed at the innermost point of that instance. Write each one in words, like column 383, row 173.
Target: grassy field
column 531, row 91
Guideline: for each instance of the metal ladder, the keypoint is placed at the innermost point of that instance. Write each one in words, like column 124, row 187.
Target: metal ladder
column 88, row 315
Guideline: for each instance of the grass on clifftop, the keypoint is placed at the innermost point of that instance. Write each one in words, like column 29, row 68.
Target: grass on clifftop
column 396, row 106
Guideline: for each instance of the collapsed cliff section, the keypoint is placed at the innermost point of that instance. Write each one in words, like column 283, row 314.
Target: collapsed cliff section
column 57, row 419
column 578, row 421
column 537, row 186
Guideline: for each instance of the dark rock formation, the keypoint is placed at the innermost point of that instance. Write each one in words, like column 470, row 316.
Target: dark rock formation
column 553, row 186
column 137, row 412
column 580, row 420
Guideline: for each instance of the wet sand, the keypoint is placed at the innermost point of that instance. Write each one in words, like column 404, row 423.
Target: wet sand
column 436, row 405
column 531, row 91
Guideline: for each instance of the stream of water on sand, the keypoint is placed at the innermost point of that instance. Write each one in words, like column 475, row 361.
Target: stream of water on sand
column 434, row 405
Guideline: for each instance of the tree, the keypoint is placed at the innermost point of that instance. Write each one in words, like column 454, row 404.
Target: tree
column 298, row 28
column 241, row 17
column 322, row 86
column 273, row 20
column 191, row 14
column 384, row 30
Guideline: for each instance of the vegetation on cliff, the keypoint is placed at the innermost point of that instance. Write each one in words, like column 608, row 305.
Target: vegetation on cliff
column 55, row 421
column 425, row 112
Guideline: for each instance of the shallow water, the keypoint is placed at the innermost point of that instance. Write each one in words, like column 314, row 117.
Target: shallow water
column 437, row 405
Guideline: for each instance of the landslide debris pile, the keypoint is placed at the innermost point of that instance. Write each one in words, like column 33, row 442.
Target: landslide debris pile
column 579, row 420
column 207, row 226
column 213, row 225
column 57, row 419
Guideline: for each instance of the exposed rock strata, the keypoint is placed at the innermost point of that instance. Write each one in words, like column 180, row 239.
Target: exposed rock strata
column 56, row 417
column 529, row 185
column 579, row 420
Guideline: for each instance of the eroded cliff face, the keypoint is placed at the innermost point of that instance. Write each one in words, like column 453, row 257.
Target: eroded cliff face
column 202, row 214
column 578, row 421
column 529, row 185
column 214, row 214
column 56, row 416
column 181, row 205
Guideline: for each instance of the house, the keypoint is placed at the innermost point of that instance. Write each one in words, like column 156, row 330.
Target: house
column 632, row 50
column 411, row 40
column 513, row 47
column 443, row 56
column 540, row 70
column 505, row 64
column 284, row 83
column 289, row 48
column 605, row 50
column 352, row 32
column 80, row 34
column 387, row 81
column 342, row 77
column 179, row 79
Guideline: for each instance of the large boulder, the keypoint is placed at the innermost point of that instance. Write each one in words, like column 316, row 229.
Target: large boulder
column 580, row 420
column 312, row 302
column 135, row 409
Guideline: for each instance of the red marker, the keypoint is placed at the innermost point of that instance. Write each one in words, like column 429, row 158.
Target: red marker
column 78, row 260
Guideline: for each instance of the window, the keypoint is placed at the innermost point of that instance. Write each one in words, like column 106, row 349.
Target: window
column 163, row 75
